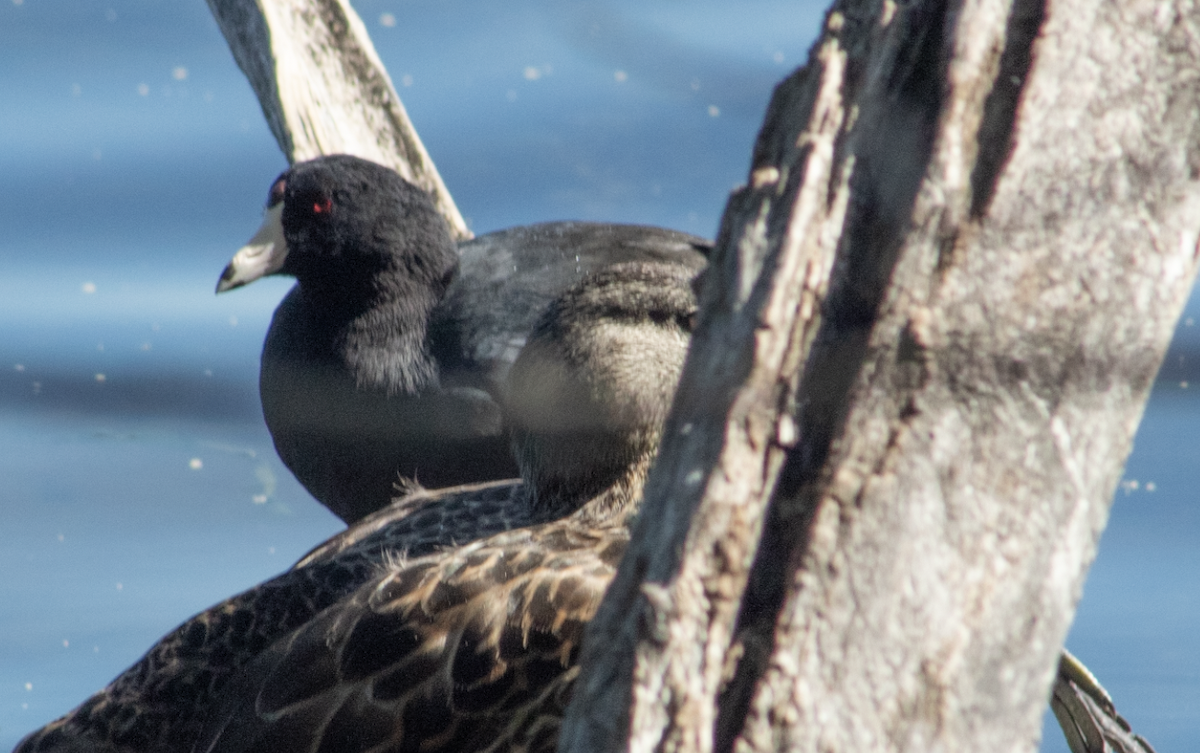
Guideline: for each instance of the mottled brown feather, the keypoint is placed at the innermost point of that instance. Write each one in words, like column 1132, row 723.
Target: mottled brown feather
column 488, row 670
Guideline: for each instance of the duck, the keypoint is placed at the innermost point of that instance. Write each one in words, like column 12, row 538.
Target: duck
column 383, row 366
column 450, row 619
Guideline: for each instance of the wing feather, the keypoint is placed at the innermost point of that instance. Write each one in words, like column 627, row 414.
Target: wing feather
column 471, row 649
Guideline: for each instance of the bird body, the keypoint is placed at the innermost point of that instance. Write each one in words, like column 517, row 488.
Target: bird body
column 384, row 364
column 468, row 650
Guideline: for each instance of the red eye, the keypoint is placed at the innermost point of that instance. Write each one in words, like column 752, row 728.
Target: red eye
column 323, row 206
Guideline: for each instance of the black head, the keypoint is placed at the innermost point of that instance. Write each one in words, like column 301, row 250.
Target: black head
column 342, row 221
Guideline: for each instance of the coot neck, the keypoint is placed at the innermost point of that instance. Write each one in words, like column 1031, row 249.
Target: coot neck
column 376, row 326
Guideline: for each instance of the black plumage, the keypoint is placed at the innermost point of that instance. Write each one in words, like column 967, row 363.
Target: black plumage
column 383, row 365
column 451, row 619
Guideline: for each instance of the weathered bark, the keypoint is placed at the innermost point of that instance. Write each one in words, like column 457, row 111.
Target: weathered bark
column 324, row 90
column 971, row 226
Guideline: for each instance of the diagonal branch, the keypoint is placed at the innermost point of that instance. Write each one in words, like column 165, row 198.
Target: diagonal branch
column 324, row 90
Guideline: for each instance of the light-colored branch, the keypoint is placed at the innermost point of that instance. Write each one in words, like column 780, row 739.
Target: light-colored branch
column 324, row 90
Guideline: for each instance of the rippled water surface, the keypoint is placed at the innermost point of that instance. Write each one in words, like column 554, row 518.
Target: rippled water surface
column 138, row 484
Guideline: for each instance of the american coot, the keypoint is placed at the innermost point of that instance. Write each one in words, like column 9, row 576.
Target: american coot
column 451, row 619
column 383, row 364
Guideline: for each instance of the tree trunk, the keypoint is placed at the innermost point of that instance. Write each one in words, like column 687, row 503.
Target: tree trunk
column 932, row 323
column 324, row 90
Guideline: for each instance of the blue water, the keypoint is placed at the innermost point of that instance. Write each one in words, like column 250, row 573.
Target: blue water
column 137, row 482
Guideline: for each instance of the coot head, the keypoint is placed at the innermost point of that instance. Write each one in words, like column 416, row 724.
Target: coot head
column 341, row 221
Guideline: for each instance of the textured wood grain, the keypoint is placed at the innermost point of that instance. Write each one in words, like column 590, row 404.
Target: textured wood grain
column 937, row 310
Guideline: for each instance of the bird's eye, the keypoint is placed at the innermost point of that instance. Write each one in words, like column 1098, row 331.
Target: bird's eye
column 275, row 195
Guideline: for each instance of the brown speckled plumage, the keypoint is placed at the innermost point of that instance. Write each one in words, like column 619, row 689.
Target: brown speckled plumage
column 468, row 650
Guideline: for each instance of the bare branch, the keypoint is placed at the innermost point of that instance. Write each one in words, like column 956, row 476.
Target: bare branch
column 324, row 90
